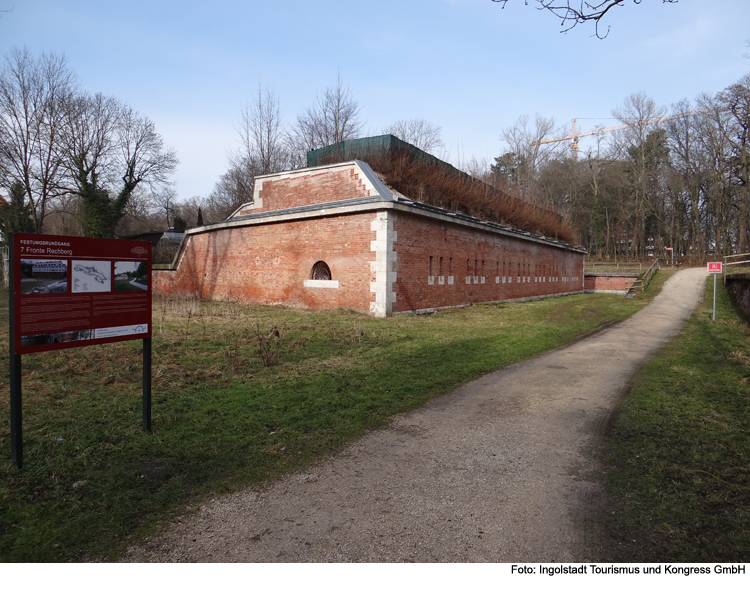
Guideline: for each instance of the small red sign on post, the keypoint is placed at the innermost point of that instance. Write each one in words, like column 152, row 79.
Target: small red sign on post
column 714, row 267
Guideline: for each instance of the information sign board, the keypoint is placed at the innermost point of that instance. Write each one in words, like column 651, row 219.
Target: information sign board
column 73, row 292
column 714, row 267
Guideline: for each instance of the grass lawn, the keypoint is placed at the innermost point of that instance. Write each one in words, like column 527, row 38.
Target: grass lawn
column 125, row 285
column 679, row 460
column 225, row 415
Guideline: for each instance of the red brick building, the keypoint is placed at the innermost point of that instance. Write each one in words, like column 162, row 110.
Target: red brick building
column 336, row 236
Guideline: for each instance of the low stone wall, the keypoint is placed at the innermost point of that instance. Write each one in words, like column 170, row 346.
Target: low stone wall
column 609, row 282
column 738, row 287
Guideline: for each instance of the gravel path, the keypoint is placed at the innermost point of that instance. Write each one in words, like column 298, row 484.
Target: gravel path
column 498, row 470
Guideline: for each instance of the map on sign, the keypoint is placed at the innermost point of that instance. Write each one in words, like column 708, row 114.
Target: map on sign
column 92, row 276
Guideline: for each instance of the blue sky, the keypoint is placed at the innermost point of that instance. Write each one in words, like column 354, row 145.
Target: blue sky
column 465, row 65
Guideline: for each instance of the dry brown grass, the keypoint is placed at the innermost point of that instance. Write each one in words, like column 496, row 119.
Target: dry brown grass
column 436, row 183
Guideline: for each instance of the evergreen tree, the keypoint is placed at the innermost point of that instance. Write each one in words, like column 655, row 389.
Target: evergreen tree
column 15, row 215
column 101, row 213
column 180, row 225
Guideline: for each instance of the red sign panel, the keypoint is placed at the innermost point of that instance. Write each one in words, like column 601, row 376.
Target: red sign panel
column 714, row 267
column 74, row 292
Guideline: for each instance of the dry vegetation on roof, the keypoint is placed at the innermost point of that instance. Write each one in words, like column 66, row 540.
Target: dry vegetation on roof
column 441, row 185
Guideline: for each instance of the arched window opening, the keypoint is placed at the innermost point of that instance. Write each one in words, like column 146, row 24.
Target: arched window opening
column 320, row 272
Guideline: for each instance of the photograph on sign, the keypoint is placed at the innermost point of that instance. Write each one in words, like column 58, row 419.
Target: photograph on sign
column 131, row 276
column 42, row 276
column 54, row 338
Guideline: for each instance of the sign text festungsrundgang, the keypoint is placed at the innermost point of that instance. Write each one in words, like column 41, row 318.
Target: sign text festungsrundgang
column 74, row 292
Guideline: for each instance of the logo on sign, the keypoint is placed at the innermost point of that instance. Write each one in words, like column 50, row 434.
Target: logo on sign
column 139, row 251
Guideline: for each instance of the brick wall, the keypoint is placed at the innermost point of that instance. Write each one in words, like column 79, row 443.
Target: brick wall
column 381, row 262
column 440, row 264
column 738, row 287
column 610, row 282
column 269, row 263
column 307, row 188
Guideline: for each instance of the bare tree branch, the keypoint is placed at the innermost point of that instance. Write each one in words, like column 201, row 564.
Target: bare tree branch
column 418, row 132
column 261, row 132
column 333, row 118
column 32, row 91
column 576, row 12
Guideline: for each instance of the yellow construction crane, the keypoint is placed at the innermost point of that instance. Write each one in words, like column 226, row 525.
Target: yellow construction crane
column 576, row 134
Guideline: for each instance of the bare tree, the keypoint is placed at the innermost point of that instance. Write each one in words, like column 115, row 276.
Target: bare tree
column 576, row 12
column 333, row 118
column 234, row 188
column 418, row 132
column 687, row 164
column 524, row 148
column 191, row 210
column 164, row 201
column 32, row 92
column 261, row 132
column 109, row 150
column 86, row 142
column 736, row 101
column 140, row 214
column 638, row 113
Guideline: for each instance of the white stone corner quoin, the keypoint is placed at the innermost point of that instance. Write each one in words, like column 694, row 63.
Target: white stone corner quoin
column 383, row 265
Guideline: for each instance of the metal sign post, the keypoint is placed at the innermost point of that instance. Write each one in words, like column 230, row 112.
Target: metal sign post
column 672, row 249
column 715, row 269
column 16, row 422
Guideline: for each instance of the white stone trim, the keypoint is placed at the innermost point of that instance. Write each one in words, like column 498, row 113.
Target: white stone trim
column 383, row 266
column 327, row 283
column 371, row 181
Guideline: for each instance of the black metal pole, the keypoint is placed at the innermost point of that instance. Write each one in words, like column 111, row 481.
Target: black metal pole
column 16, row 422
column 147, row 384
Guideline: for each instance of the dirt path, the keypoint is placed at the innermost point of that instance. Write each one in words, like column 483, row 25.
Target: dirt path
column 495, row 471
